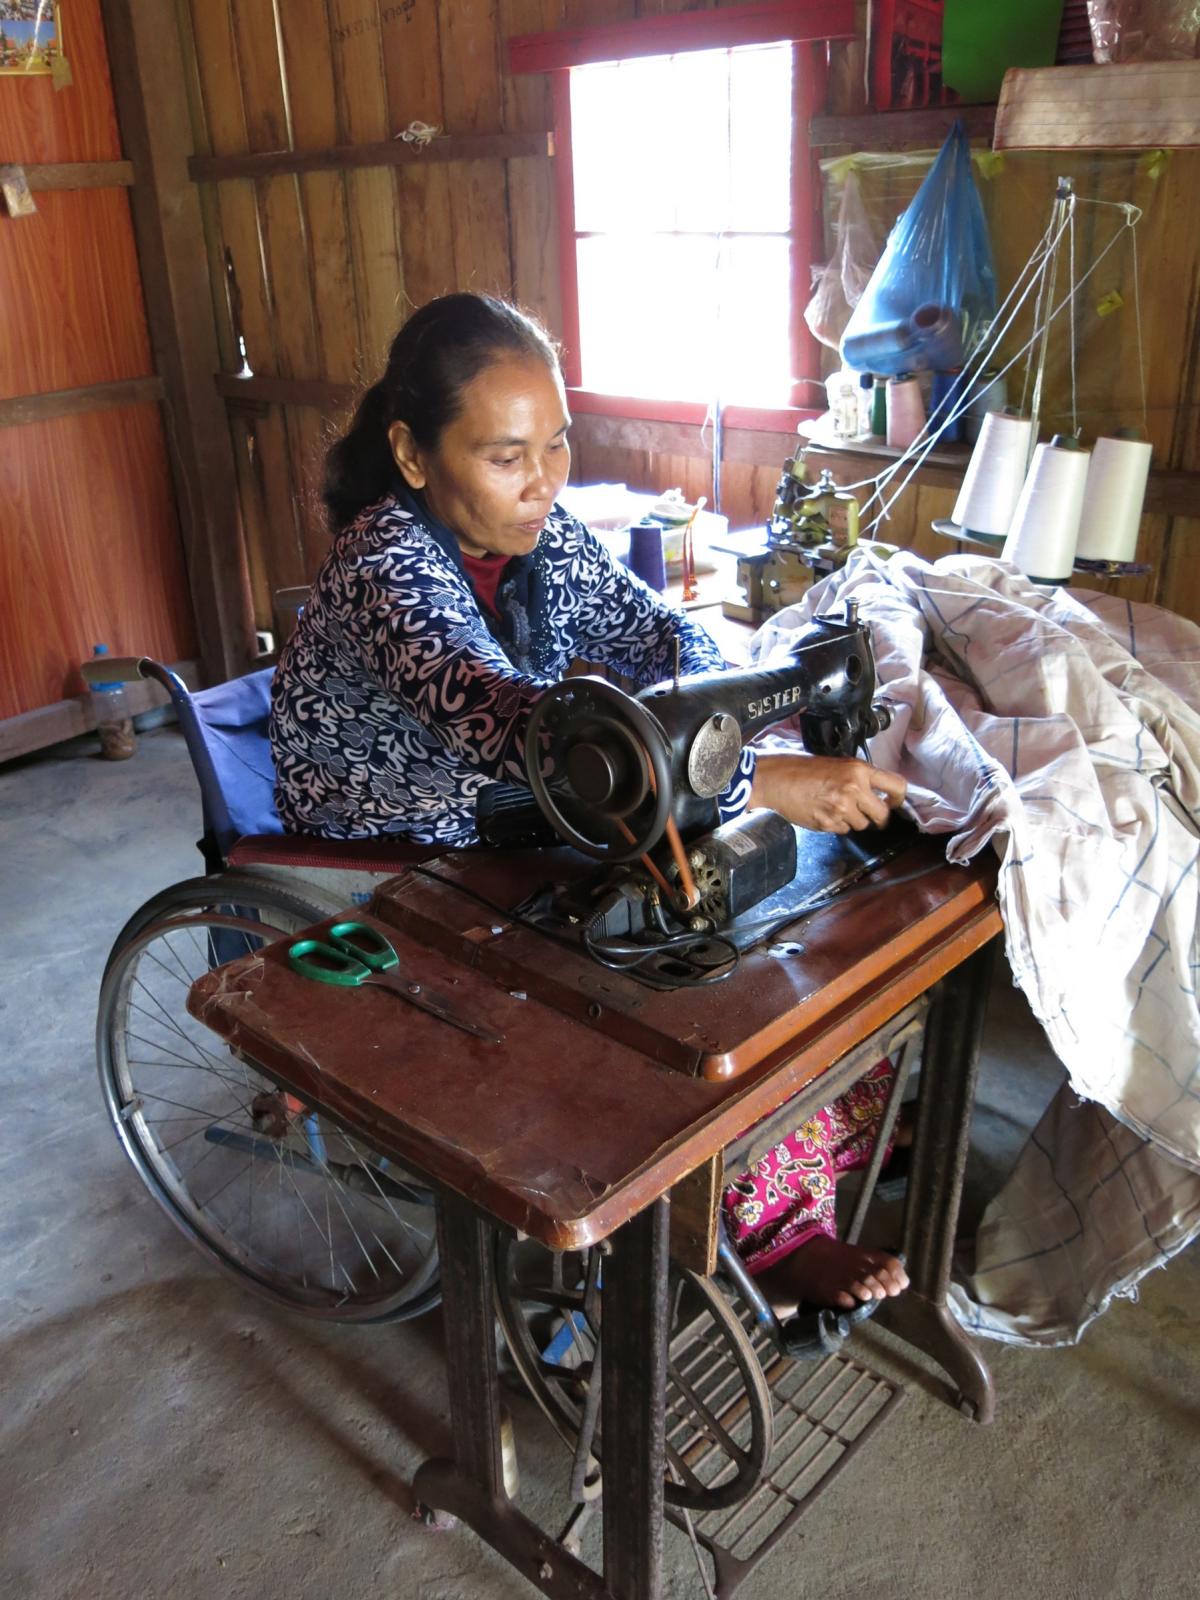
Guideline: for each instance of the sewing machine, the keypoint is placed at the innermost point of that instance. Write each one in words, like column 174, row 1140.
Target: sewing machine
column 810, row 533
column 633, row 781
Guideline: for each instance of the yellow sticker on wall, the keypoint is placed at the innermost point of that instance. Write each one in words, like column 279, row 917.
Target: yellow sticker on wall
column 1154, row 163
column 1111, row 302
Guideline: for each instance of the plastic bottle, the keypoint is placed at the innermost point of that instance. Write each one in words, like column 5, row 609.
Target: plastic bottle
column 866, row 395
column 113, row 722
column 842, row 391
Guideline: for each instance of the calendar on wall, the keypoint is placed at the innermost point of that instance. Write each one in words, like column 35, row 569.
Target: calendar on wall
column 30, row 37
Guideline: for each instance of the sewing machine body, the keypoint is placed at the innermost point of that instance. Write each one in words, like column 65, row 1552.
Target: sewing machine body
column 634, row 781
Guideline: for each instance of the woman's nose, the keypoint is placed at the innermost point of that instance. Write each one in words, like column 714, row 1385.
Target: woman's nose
column 541, row 481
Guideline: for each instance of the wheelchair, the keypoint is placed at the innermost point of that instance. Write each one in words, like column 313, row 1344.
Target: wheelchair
column 272, row 1191
column 280, row 1197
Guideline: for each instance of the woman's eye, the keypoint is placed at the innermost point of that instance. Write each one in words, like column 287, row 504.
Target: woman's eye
column 505, row 461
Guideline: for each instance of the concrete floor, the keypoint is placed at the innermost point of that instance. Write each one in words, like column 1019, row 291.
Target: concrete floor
column 163, row 1434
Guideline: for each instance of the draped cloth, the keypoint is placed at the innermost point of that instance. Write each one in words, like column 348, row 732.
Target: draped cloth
column 1061, row 729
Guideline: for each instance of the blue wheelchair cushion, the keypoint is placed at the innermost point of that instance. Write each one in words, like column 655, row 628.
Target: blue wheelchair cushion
column 232, row 723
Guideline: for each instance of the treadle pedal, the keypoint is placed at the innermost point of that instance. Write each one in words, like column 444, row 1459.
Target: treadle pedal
column 824, row 1413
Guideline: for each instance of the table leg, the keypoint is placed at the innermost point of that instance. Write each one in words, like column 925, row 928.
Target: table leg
column 949, row 1071
column 472, row 1485
column 633, row 1402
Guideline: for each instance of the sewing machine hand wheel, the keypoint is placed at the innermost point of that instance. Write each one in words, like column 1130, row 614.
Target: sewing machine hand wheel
column 610, row 766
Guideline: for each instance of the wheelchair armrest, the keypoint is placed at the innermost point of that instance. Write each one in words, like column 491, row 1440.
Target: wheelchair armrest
column 114, row 669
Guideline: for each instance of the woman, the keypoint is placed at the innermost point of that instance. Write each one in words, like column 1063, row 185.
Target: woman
column 454, row 592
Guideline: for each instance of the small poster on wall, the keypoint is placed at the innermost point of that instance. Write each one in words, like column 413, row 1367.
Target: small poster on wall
column 30, row 37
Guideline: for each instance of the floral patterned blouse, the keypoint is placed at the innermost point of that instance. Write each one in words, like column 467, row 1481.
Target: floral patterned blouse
column 396, row 699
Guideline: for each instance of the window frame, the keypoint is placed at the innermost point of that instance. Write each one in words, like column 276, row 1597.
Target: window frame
column 809, row 26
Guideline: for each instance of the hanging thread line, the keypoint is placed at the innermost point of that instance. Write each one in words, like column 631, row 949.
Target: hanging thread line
column 920, row 450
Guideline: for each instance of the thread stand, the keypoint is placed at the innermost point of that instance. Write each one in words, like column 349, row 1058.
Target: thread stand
column 1096, row 569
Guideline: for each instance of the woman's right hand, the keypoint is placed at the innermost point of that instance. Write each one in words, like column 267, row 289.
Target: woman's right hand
column 829, row 794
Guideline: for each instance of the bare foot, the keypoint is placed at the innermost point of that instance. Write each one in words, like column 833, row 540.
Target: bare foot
column 826, row 1272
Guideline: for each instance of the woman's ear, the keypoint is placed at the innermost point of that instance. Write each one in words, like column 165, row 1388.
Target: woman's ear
column 406, row 455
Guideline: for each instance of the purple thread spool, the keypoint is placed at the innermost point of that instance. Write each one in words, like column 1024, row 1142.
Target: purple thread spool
column 646, row 556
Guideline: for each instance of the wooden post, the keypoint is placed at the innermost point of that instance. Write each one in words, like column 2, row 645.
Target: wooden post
column 150, row 89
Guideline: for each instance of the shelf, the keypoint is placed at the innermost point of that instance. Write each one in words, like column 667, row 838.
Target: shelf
column 387, row 153
column 1170, row 491
column 953, row 456
column 894, row 130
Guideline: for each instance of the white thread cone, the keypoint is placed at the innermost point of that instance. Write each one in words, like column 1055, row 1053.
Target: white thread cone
column 1112, row 501
column 1045, row 525
column 995, row 474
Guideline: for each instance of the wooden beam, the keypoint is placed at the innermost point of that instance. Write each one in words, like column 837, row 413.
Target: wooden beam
column 23, row 408
column 80, row 175
column 263, row 389
column 67, row 719
column 766, row 22
column 387, row 153
column 150, row 89
column 891, row 130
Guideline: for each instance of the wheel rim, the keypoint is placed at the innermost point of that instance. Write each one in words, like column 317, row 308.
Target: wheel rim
column 719, row 1414
column 269, row 1188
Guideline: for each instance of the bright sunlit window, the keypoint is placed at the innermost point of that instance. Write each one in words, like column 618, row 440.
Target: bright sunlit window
column 684, row 225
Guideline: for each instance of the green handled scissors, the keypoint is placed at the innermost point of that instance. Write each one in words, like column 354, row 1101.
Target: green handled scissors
column 353, row 954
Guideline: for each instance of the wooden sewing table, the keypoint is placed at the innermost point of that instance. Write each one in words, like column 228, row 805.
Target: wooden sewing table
column 601, row 1098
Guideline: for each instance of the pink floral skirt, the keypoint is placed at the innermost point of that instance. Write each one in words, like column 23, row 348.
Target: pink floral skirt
column 790, row 1196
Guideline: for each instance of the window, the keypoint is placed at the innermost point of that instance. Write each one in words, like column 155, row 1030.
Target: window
column 683, row 226
column 686, row 205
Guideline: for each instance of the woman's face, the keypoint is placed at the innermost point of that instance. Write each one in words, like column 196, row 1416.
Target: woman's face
column 498, row 467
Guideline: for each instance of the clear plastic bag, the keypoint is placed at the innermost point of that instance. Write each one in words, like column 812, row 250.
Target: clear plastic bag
column 1144, row 30
column 838, row 285
column 934, row 288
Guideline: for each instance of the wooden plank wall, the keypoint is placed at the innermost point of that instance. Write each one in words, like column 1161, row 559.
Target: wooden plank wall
column 89, row 542
column 316, row 270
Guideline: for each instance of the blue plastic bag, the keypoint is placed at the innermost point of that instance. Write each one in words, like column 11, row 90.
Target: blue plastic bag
column 934, row 287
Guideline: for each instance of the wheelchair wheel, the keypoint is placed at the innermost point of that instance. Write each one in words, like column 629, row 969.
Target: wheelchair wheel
column 272, row 1191
column 719, row 1414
